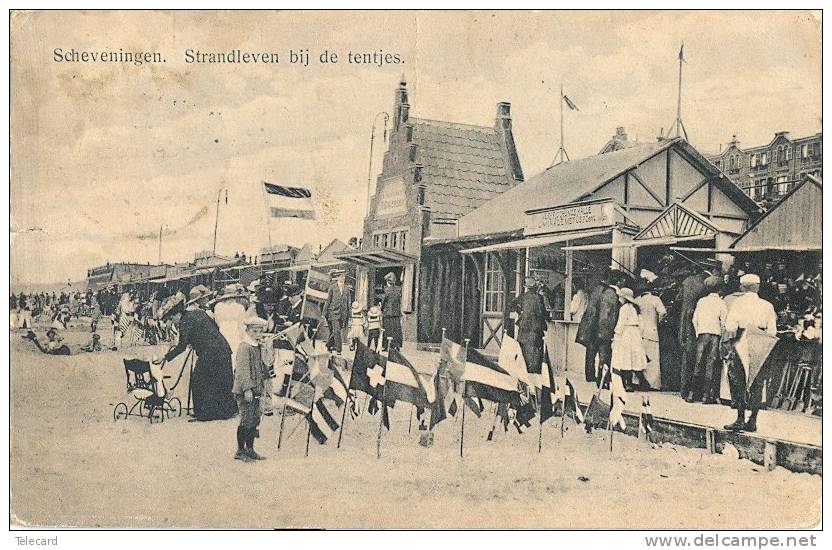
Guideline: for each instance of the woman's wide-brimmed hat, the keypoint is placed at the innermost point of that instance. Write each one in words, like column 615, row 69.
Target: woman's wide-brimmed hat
column 231, row 292
column 197, row 293
column 627, row 295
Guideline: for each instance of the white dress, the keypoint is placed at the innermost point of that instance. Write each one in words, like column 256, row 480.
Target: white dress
column 627, row 351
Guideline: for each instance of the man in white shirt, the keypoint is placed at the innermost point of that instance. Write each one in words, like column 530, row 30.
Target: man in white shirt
column 708, row 323
column 748, row 314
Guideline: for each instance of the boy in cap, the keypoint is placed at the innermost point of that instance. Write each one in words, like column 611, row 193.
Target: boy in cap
column 708, row 323
column 249, row 377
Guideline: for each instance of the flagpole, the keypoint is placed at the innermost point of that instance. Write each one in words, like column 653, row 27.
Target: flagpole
column 217, row 216
column 609, row 421
column 268, row 221
column 462, row 428
column 410, row 420
column 286, row 401
column 346, row 404
column 383, row 406
column 309, row 424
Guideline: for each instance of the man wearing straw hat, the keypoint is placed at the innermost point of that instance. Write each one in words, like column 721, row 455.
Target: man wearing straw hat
column 336, row 309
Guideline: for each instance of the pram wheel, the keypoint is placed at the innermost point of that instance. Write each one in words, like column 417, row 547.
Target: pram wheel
column 156, row 413
column 174, row 407
column 120, row 412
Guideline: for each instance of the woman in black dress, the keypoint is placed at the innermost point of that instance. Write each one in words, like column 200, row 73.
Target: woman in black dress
column 212, row 377
column 391, row 312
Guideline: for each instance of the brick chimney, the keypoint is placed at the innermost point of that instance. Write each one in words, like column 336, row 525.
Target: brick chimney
column 502, row 124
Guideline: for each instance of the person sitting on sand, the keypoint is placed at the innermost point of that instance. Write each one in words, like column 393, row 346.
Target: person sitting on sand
column 54, row 342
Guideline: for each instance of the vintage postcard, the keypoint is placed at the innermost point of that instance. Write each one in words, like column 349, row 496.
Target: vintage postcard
column 416, row 269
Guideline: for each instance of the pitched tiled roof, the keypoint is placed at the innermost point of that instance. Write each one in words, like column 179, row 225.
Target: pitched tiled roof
column 463, row 166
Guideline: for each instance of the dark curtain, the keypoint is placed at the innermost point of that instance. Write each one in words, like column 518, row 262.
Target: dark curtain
column 440, row 297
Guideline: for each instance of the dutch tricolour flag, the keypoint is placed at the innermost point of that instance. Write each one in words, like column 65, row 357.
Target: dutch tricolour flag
column 289, row 202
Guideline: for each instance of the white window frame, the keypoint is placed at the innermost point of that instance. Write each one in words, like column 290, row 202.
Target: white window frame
column 494, row 293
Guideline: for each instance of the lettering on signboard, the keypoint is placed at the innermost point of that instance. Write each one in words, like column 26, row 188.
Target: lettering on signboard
column 391, row 199
column 583, row 216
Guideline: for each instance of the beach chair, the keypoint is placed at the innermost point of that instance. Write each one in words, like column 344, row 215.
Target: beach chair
column 146, row 385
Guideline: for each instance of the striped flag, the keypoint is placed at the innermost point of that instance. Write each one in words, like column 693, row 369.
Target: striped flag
column 404, row 383
column 289, row 202
column 453, row 355
column 323, row 419
column 619, row 400
column 570, row 402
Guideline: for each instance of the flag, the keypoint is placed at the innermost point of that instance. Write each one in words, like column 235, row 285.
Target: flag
column 445, row 398
column 323, row 418
column 403, row 383
column 597, row 413
column 293, row 335
column 682, row 52
column 571, row 403
column 645, row 424
column 548, row 398
column 289, row 202
column 569, row 103
column 485, row 379
column 368, row 371
column 759, row 348
column 619, row 400
column 453, row 355
column 511, row 359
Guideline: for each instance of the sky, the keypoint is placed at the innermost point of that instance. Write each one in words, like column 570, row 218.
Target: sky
column 104, row 155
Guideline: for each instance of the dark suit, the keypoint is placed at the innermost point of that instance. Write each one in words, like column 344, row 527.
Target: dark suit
column 587, row 330
column 597, row 327
column 690, row 291
column 391, row 315
column 336, row 311
column 530, row 329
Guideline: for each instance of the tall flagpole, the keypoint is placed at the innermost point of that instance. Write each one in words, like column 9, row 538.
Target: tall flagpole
column 678, row 125
column 561, row 154
column 217, row 216
column 268, row 219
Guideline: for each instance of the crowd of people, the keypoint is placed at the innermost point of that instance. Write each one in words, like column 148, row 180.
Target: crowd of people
column 627, row 321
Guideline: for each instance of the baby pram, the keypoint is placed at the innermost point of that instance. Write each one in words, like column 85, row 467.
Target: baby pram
column 146, row 384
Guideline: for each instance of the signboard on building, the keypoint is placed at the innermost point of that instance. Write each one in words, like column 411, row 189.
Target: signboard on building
column 580, row 216
column 391, row 199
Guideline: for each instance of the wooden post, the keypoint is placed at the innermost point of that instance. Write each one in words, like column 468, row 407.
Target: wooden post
column 383, row 408
column 710, row 440
column 462, row 428
column 609, row 422
column 770, row 455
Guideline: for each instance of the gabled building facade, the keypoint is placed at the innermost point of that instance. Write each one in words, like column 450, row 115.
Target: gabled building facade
column 433, row 173
column 768, row 172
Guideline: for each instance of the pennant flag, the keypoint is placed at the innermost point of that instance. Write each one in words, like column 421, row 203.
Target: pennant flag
column 571, row 403
column 597, row 414
column 682, row 52
column 646, row 420
column 445, row 396
column 453, row 355
column 619, row 400
column 548, row 398
column 511, row 359
column 569, row 103
column 289, row 202
column 760, row 345
column 292, row 335
column 403, row 383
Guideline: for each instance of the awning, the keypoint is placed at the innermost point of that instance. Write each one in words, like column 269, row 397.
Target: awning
column 638, row 244
column 307, row 267
column 532, row 242
column 377, row 257
column 793, row 248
